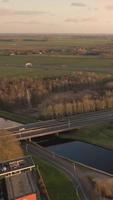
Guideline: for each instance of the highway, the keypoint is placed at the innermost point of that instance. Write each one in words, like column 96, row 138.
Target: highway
column 65, row 166
column 50, row 127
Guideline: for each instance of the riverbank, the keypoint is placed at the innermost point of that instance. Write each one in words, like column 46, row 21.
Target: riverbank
column 58, row 185
column 101, row 135
column 86, row 176
column 17, row 118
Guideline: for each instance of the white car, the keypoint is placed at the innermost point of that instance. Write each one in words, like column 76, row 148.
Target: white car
column 21, row 129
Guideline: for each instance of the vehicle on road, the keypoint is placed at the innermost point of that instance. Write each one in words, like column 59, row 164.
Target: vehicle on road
column 21, row 129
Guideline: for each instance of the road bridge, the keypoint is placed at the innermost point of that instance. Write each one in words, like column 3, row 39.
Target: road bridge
column 52, row 127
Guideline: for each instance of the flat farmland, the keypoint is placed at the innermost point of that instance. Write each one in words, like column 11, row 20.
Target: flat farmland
column 53, row 41
column 45, row 65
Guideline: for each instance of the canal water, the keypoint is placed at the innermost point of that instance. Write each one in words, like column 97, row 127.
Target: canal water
column 85, row 153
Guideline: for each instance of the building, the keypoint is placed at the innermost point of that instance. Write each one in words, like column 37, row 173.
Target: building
column 20, row 179
column 12, row 167
column 21, row 187
column 28, row 65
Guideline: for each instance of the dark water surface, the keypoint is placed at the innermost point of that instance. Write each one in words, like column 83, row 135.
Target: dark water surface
column 85, row 153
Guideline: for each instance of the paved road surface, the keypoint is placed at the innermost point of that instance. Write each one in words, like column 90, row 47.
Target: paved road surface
column 45, row 128
column 67, row 167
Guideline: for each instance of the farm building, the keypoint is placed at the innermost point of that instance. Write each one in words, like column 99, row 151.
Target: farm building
column 21, row 187
column 20, row 179
column 28, row 65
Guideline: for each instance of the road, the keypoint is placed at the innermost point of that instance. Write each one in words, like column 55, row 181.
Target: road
column 66, row 167
column 50, row 127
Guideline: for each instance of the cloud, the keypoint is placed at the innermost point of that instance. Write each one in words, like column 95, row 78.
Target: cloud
column 71, row 20
column 109, row 7
column 93, row 9
column 5, row 12
column 28, row 12
column 78, row 4
column 23, row 22
column 83, row 20
column 4, row 1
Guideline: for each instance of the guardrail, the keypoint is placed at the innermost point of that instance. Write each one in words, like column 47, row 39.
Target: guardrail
column 44, row 128
column 42, row 181
column 54, row 156
column 96, row 113
column 76, row 162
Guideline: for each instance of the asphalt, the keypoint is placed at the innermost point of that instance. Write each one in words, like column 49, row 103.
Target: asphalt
column 45, row 128
column 68, row 168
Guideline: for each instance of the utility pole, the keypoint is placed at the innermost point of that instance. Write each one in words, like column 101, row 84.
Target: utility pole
column 53, row 154
column 26, row 147
column 76, row 173
column 69, row 123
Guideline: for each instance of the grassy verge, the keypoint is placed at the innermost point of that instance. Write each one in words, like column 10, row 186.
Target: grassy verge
column 17, row 118
column 58, row 185
column 48, row 66
column 101, row 135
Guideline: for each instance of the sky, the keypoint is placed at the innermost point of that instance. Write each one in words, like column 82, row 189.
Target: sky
column 56, row 16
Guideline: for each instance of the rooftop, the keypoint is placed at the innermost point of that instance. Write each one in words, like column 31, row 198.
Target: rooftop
column 20, row 185
column 14, row 166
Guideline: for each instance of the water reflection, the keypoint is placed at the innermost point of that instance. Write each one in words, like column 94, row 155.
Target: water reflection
column 88, row 154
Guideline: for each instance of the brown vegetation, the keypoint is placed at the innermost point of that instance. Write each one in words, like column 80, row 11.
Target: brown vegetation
column 58, row 96
column 9, row 146
column 105, row 187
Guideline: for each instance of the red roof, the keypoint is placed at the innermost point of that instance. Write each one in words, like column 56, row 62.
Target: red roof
column 28, row 197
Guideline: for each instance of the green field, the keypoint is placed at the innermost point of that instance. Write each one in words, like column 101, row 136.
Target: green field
column 53, row 41
column 80, row 61
column 51, row 63
column 101, row 135
column 58, row 185
column 17, row 118
column 44, row 66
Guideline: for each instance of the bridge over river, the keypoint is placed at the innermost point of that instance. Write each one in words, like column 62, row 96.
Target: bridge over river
column 52, row 127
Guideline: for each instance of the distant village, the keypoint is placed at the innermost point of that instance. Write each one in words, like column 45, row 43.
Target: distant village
column 106, row 51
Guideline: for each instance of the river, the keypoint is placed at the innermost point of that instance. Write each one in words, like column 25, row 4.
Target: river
column 91, row 155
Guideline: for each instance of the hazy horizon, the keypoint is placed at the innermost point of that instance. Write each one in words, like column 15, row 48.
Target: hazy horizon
column 76, row 34
column 66, row 16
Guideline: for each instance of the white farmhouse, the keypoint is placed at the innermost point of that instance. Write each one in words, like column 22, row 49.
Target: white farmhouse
column 28, row 65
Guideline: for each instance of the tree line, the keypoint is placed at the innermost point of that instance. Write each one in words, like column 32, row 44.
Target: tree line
column 74, row 107
column 57, row 96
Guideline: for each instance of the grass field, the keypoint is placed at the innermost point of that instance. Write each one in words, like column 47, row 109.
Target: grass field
column 17, row 118
column 44, row 66
column 54, row 41
column 101, row 135
column 58, row 185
